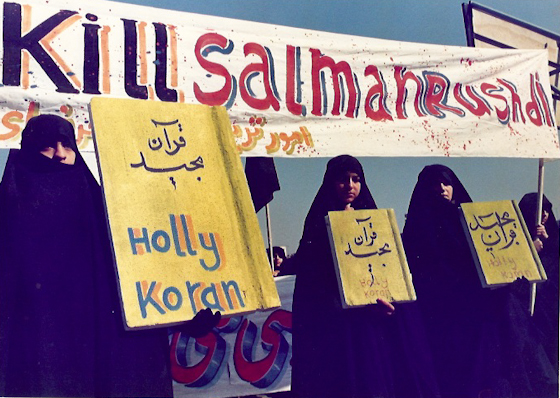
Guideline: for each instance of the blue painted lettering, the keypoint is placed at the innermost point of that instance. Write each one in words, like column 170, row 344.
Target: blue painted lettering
column 237, row 294
column 135, row 241
column 215, row 303
column 148, row 296
column 191, row 290
column 214, row 248
column 172, row 290
column 162, row 248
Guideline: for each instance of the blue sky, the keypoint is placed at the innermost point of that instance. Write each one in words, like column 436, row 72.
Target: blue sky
column 391, row 180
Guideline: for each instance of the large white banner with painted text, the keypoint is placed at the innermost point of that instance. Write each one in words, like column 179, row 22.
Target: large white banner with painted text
column 289, row 92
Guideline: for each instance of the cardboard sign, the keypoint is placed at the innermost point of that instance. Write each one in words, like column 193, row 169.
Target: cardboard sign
column 369, row 258
column 184, row 230
column 500, row 243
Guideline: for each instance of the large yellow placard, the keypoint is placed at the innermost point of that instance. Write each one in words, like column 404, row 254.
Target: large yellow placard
column 501, row 245
column 369, row 258
column 184, row 230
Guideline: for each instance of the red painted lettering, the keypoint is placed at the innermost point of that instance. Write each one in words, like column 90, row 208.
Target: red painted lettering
column 202, row 48
column 482, row 106
column 293, row 83
column 401, row 78
column 266, row 68
column 377, row 93
column 320, row 62
column 490, row 90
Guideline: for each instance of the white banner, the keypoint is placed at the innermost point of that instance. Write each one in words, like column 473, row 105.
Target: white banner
column 487, row 28
column 289, row 92
column 243, row 355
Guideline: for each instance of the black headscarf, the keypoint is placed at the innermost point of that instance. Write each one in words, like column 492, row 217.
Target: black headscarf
column 528, row 206
column 47, row 266
column 327, row 200
column 46, row 130
column 314, row 255
column 61, row 331
column 433, row 225
column 426, row 202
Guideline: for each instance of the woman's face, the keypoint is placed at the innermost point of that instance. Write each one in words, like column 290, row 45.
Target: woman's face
column 348, row 187
column 444, row 191
column 277, row 260
column 544, row 216
column 60, row 153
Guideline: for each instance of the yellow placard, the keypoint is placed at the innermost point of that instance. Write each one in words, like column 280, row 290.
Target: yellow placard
column 184, row 230
column 500, row 242
column 369, row 258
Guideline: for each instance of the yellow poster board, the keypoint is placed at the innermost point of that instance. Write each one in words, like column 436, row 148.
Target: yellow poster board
column 369, row 258
column 184, row 231
column 500, row 243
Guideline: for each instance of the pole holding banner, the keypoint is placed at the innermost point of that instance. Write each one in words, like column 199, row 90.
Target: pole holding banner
column 269, row 236
column 538, row 220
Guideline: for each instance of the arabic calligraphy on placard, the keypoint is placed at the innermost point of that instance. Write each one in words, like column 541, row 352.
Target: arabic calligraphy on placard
column 501, row 244
column 363, row 244
column 493, row 232
column 169, row 141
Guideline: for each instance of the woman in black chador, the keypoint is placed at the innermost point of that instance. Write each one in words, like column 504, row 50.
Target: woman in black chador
column 445, row 278
column 545, row 238
column 61, row 331
column 342, row 352
column 481, row 339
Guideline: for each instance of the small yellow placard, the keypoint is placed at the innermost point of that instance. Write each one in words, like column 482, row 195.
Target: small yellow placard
column 500, row 243
column 369, row 258
column 184, row 230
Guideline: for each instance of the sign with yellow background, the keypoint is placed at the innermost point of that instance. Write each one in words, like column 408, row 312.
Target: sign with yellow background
column 184, row 231
column 500, row 243
column 369, row 258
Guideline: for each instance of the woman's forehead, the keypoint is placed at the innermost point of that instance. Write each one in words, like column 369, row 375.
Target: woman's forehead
column 344, row 174
column 438, row 177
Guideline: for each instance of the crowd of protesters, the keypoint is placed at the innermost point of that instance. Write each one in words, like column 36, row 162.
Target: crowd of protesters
column 61, row 331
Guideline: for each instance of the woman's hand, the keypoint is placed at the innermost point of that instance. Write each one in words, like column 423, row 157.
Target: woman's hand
column 538, row 244
column 202, row 323
column 541, row 232
column 348, row 207
column 385, row 307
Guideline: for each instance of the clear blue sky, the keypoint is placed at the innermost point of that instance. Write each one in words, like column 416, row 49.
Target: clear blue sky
column 391, row 180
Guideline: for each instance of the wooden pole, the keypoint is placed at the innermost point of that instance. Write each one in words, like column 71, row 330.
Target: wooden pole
column 538, row 220
column 269, row 236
